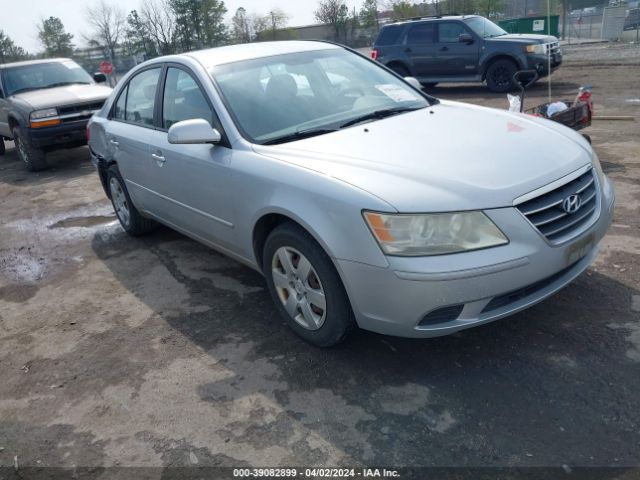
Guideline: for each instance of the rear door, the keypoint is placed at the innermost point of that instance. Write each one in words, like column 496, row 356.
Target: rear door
column 419, row 46
column 129, row 130
column 454, row 58
column 192, row 183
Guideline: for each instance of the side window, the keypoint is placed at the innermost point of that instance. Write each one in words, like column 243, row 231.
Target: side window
column 141, row 97
column 421, row 34
column 118, row 111
column 448, row 32
column 183, row 99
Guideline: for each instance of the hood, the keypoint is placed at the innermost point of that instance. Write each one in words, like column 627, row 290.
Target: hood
column 62, row 96
column 525, row 38
column 460, row 157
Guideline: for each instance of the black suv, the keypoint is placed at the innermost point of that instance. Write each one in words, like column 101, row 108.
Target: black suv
column 463, row 49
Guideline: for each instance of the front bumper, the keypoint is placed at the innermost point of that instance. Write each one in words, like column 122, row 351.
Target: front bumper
column 475, row 287
column 68, row 134
column 540, row 63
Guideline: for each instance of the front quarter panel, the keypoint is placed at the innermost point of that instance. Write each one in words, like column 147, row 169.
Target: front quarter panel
column 329, row 209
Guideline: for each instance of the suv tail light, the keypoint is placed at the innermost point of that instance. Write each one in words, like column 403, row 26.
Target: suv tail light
column 374, row 54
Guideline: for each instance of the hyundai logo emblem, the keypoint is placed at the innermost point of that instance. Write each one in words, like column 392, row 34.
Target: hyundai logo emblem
column 572, row 203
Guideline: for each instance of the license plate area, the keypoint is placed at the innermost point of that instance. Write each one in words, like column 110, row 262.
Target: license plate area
column 579, row 249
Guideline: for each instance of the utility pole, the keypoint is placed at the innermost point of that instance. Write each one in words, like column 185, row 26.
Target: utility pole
column 564, row 18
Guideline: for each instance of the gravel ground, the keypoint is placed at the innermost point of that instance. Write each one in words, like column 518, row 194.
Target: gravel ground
column 158, row 352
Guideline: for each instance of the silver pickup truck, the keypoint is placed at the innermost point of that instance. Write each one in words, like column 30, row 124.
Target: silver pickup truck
column 45, row 105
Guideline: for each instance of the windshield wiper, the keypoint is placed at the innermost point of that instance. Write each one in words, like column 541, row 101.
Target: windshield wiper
column 61, row 84
column 22, row 90
column 378, row 114
column 299, row 135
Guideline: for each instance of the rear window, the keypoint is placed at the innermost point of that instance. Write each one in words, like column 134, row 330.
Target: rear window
column 389, row 35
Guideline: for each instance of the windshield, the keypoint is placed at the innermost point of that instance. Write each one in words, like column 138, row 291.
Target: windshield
column 286, row 97
column 485, row 28
column 43, row 75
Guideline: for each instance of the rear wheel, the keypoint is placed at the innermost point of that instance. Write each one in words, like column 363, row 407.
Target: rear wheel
column 306, row 287
column 33, row 158
column 400, row 70
column 130, row 219
column 500, row 75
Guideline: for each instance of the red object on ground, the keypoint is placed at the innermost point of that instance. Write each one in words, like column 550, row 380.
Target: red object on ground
column 106, row 67
column 374, row 54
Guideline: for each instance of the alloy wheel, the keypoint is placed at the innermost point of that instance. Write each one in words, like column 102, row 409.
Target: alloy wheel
column 299, row 288
column 120, row 202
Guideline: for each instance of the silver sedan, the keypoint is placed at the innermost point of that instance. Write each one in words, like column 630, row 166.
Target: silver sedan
column 362, row 200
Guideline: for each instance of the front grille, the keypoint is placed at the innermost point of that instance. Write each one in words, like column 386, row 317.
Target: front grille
column 547, row 214
column 524, row 292
column 79, row 108
column 554, row 47
column 82, row 111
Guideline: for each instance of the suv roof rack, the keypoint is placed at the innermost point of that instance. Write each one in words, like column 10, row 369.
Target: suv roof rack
column 427, row 17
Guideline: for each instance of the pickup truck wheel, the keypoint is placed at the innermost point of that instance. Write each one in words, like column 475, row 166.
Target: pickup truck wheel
column 33, row 158
column 500, row 75
column 132, row 222
column 306, row 287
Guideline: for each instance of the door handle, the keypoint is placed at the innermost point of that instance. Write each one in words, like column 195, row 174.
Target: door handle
column 114, row 143
column 158, row 158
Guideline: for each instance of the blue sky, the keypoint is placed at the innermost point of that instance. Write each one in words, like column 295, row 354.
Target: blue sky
column 20, row 18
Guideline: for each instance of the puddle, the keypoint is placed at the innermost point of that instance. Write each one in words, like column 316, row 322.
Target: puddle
column 85, row 222
column 17, row 293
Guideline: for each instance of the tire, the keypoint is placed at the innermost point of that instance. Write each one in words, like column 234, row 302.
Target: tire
column 130, row 219
column 33, row 158
column 400, row 70
column 321, row 325
column 2, row 147
column 499, row 75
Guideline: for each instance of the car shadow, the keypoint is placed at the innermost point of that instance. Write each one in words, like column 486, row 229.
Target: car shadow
column 69, row 164
column 553, row 385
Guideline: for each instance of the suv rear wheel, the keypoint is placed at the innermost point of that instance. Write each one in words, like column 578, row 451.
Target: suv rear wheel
column 33, row 158
column 500, row 75
column 400, row 69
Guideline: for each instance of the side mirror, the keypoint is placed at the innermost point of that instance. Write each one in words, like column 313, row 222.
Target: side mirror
column 413, row 81
column 465, row 38
column 193, row 131
column 99, row 77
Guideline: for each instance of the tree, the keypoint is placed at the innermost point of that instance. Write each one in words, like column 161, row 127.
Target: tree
column 403, row 9
column 137, row 38
column 240, row 32
column 369, row 16
column 9, row 51
column 489, row 8
column 53, row 37
column 334, row 13
column 199, row 23
column 108, row 23
column 159, row 23
column 277, row 19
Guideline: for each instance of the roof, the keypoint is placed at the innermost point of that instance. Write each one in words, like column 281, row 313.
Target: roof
column 34, row 62
column 247, row 51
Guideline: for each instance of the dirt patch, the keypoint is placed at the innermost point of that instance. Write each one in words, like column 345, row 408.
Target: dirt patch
column 84, row 221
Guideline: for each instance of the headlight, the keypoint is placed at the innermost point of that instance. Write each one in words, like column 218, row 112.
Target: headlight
column 44, row 118
column 538, row 48
column 433, row 234
column 595, row 161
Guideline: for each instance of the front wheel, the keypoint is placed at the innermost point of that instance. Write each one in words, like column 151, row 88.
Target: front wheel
column 33, row 158
column 500, row 75
column 306, row 287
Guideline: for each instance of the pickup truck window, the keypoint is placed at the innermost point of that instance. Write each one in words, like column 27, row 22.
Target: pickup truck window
column 43, row 75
